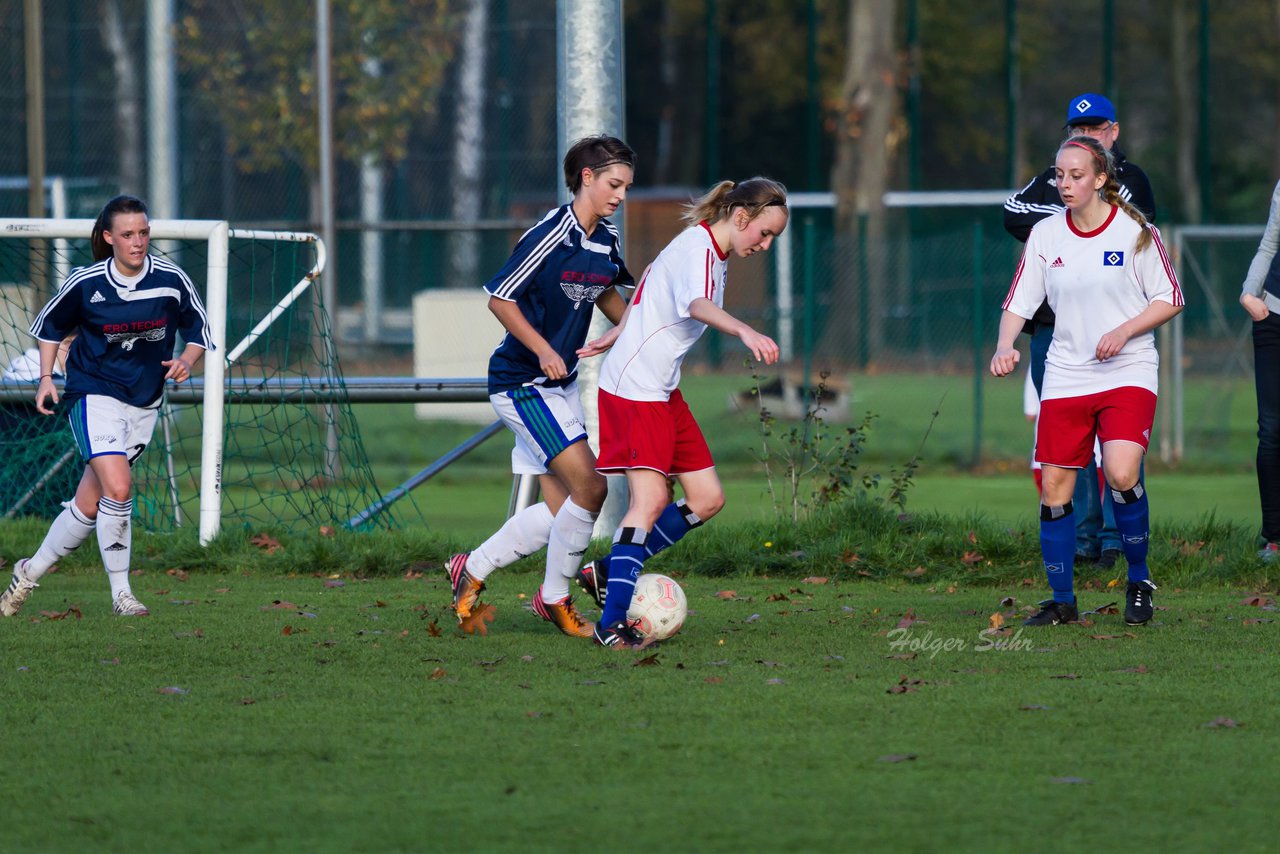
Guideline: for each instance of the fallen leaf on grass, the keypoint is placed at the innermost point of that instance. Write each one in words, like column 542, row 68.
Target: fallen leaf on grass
column 327, row 531
column 906, row 656
column 1253, row 621
column 714, row 680
column 222, row 590
column 1106, row 637
column 266, row 542
column 996, row 620
column 1035, row 708
column 247, row 701
column 908, row 619
column 915, row 573
column 906, row 686
column 897, row 757
column 438, row 673
column 1066, row 676
column 815, row 579
column 476, row 621
column 1223, row 723
column 726, row 594
column 777, row 597
column 774, row 681
column 970, row 558
column 433, row 629
column 286, row 631
column 180, row 574
column 1258, row 601
column 62, row 615
column 279, row 605
column 333, row 583
column 647, row 661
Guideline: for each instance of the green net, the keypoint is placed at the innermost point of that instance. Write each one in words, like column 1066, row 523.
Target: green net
column 287, row 464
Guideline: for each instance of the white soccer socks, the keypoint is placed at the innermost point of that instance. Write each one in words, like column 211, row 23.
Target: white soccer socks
column 115, row 541
column 68, row 531
column 570, row 536
column 522, row 535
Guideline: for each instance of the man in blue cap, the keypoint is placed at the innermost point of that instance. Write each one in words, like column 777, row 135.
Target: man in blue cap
column 1090, row 114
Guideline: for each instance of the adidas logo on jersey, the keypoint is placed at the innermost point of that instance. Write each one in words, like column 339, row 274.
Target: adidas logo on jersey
column 97, row 297
column 1057, row 262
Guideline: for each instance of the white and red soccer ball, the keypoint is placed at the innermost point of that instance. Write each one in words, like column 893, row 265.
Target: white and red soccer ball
column 658, row 606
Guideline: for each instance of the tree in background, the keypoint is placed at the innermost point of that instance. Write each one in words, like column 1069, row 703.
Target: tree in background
column 868, row 133
column 255, row 70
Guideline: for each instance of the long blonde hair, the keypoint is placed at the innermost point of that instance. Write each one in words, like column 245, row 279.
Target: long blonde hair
column 752, row 195
column 1106, row 161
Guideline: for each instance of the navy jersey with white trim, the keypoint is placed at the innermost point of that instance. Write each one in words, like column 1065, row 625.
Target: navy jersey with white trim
column 555, row 275
column 124, row 330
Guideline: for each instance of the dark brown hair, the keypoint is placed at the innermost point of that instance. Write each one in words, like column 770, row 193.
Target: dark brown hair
column 596, row 153
column 118, row 205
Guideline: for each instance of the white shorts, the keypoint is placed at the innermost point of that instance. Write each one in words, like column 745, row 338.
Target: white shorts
column 103, row 425
column 546, row 420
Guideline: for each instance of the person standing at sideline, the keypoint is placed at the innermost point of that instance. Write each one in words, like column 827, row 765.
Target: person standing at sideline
column 543, row 296
column 646, row 429
column 1107, row 277
column 126, row 311
column 1091, row 115
column 1260, row 297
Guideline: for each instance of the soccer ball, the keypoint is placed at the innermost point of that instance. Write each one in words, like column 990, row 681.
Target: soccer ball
column 658, row 607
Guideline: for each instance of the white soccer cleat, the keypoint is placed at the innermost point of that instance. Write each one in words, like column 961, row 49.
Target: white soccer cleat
column 127, row 605
column 18, row 591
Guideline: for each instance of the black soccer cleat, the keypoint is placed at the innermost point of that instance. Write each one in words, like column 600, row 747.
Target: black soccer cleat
column 619, row 635
column 594, row 582
column 1053, row 613
column 1138, row 604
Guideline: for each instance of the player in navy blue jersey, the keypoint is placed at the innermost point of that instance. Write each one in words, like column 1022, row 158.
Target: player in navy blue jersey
column 126, row 311
column 543, row 295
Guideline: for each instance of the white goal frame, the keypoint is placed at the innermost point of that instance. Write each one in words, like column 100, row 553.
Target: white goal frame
column 217, row 234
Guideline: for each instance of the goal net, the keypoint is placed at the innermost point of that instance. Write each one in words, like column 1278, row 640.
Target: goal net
column 265, row 440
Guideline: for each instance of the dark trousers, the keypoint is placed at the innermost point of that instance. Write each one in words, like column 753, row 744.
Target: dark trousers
column 1095, row 511
column 1266, row 372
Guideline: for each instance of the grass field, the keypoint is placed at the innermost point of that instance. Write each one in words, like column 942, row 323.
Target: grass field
column 258, row 712
column 1216, row 477
column 832, row 689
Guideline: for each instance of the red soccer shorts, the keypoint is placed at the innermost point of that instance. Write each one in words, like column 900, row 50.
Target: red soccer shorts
column 650, row 434
column 1067, row 425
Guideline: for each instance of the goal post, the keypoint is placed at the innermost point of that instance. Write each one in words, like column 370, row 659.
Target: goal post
column 286, row 469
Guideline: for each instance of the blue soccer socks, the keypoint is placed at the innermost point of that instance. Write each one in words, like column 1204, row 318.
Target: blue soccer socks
column 1058, row 546
column 1133, row 521
column 626, row 559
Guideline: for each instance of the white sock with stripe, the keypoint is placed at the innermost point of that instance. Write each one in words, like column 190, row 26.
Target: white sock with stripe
column 115, row 541
column 68, row 531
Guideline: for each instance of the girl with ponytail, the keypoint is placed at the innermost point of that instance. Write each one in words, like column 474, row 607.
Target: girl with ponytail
column 1106, row 275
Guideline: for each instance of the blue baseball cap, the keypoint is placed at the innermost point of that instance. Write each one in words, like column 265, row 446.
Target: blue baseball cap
column 1090, row 109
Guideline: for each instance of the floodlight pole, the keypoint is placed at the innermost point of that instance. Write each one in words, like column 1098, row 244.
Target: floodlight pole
column 590, row 99
column 328, row 233
column 33, row 37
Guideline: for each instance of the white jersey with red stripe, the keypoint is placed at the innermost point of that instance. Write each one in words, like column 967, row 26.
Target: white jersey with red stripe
column 1094, row 281
column 644, row 363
